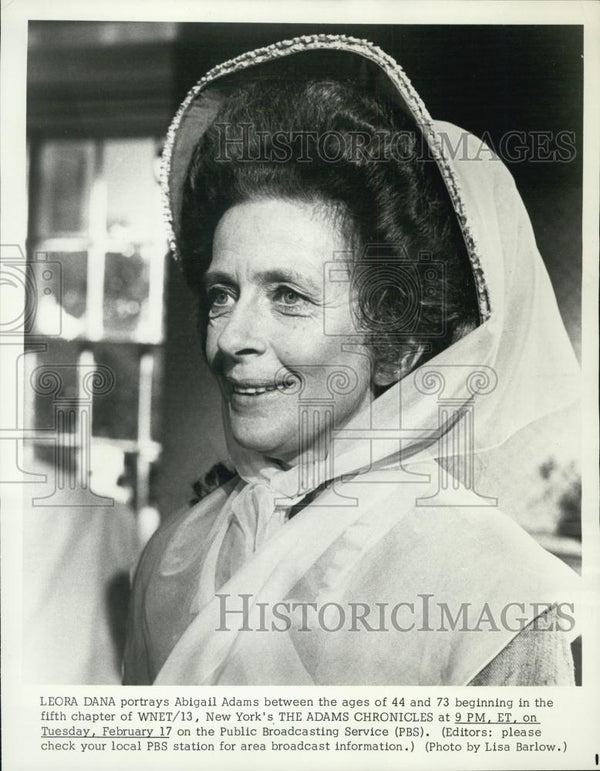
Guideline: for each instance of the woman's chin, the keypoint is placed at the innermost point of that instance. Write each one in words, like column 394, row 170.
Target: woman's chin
column 264, row 442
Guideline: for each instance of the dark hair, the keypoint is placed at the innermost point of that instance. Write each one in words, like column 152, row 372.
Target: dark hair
column 324, row 141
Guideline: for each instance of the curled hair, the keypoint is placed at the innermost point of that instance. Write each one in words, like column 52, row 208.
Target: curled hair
column 326, row 142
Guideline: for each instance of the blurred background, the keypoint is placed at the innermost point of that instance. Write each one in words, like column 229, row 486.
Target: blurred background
column 116, row 393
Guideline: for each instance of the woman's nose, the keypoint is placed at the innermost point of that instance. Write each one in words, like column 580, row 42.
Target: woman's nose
column 243, row 332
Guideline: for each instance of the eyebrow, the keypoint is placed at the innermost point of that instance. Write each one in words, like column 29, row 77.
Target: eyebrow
column 288, row 276
column 216, row 277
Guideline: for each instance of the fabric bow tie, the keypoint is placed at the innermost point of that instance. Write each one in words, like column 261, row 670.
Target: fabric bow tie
column 260, row 512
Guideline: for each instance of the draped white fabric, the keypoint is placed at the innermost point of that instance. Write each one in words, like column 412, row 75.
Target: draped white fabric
column 385, row 529
column 514, row 369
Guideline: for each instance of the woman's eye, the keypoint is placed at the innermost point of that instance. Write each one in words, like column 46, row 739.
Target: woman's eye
column 219, row 300
column 288, row 297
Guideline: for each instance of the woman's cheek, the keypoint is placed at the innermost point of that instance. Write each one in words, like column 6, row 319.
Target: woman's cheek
column 301, row 340
column 210, row 347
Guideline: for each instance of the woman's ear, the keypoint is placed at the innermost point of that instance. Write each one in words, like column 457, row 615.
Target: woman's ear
column 386, row 373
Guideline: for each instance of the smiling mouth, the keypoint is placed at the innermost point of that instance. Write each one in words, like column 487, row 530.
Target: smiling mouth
column 247, row 388
column 254, row 390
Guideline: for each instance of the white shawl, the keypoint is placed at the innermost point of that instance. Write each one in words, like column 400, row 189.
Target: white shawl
column 383, row 530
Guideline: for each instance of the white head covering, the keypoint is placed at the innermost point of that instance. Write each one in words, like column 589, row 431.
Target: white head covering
column 516, row 367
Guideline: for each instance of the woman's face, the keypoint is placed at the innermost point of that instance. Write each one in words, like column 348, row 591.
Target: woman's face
column 275, row 318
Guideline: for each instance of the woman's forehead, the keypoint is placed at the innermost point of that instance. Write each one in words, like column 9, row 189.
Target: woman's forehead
column 271, row 234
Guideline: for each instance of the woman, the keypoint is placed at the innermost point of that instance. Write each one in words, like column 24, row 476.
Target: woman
column 375, row 313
